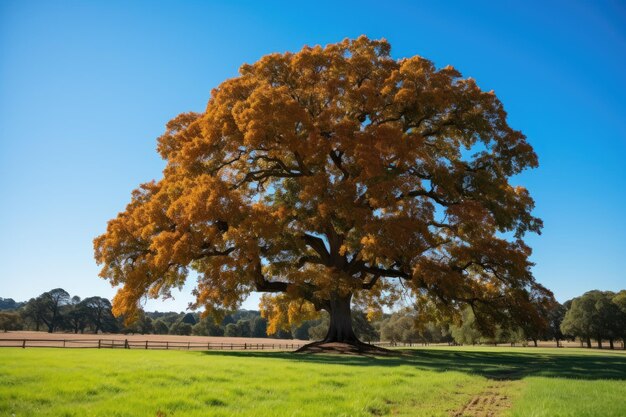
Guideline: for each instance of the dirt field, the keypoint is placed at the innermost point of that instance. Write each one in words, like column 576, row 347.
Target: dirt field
column 35, row 339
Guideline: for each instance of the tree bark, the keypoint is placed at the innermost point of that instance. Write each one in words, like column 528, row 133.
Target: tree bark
column 611, row 344
column 599, row 342
column 588, row 343
column 340, row 329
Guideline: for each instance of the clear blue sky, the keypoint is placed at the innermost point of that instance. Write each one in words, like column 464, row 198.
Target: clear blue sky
column 86, row 87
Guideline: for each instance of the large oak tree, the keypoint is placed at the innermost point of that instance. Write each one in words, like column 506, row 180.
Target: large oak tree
column 329, row 177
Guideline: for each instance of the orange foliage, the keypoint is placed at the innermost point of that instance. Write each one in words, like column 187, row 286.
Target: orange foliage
column 329, row 172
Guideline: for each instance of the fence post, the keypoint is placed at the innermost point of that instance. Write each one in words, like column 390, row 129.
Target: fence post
column 99, row 340
column 146, row 345
column 245, row 346
column 126, row 344
column 24, row 344
column 167, row 345
column 231, row 346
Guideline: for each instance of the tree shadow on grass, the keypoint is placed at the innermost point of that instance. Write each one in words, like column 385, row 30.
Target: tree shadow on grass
column 489, row 364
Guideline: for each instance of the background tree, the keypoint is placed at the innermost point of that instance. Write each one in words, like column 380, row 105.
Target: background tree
column 585, row 318
column 435, row 333
column 319, row 327
column 401, row 326
column 231, row 330
column 555, row 318
column 245, row 328
column 9, row 304
column 208, row 327
column 76, row 315
column 609, row 319
column 181, row 328
column 326, row 176
column 10, row 320
column 258, row 326
column 33, row 312
column 534, row 327
column 465, row 331
column 189, row 319
column 143, row 324
column 99, row 314
column 47, row 308
column 170, row 318
column 161, row 328
column 620, row 321
column 301, row 331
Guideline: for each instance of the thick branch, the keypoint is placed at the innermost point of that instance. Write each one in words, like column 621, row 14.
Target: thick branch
column 370, row 284
column 360, row 266
column 318, row 246
column 431, row 194
column 335, row 156
column 263, row 285
column 305, row 170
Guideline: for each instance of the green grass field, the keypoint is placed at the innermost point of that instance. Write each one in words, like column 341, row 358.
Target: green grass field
column 423, row 382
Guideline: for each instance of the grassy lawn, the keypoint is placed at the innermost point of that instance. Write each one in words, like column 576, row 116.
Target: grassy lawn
column 423, row 382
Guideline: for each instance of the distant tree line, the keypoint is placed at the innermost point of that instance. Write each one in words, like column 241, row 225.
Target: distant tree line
column 595, row 316
column 57, row 311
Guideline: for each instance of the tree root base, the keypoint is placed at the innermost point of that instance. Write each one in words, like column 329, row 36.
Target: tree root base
column 356, row 348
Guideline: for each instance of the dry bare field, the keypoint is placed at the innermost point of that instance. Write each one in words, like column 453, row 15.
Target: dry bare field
column 77, row 340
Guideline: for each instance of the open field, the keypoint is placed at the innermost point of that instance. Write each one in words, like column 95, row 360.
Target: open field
column 422, row 382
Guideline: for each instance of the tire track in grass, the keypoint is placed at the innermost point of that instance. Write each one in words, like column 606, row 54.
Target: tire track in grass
column 489, row 403
column 496, row 398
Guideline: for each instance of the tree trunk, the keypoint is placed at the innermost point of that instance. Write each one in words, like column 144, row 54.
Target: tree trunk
column 340, row 329
column 535, row 342
column 588, row 343
column 611, row 344
column 599, row 342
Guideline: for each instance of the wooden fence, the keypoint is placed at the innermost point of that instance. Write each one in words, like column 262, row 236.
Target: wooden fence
column 151, row 344
column 143, row 344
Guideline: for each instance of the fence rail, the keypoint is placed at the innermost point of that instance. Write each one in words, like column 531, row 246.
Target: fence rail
column 143, row 344
column 149, row 344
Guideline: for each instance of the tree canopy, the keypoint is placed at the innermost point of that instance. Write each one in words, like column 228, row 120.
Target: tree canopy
column 332, row 176
column 598, row 315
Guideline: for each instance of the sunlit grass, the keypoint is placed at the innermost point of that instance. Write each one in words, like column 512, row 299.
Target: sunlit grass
column 425, row 382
